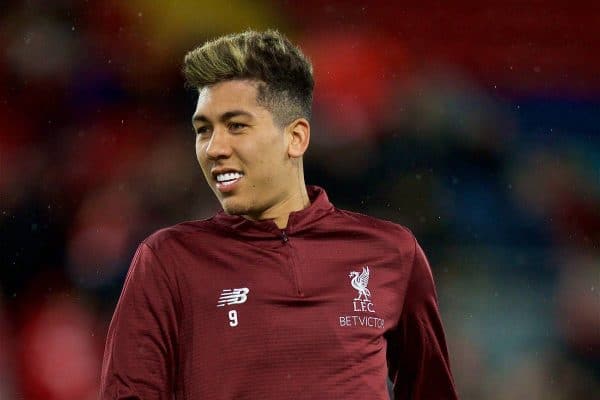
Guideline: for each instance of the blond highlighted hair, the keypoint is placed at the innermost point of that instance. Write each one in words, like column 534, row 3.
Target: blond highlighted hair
column 283, row 73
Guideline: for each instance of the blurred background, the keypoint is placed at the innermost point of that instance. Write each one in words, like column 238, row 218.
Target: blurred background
column 476, row 125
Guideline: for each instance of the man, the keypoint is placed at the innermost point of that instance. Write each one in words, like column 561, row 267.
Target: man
column 280, row 295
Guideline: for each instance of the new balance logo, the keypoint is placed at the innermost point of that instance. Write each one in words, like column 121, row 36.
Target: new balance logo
column 233, row 296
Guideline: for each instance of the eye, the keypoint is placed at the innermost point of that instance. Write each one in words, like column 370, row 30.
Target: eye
column 202, row 130
column 236, row 126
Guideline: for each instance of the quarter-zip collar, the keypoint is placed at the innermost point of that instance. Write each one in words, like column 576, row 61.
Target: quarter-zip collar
column 300, row 220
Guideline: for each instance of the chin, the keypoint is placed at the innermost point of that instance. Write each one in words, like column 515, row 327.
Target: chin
column 233, row 207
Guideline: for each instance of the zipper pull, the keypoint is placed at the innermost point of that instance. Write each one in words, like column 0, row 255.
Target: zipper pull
column 284, row 237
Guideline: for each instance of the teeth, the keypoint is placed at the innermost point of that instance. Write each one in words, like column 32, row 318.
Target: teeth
column 230, row 176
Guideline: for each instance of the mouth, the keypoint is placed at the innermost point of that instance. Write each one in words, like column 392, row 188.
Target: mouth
column 227, row 181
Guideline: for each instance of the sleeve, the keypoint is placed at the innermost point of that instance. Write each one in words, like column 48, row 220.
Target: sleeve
column 417, row 355
column 140, row 353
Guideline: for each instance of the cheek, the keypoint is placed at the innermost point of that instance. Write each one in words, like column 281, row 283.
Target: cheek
column 201, row 156
column 199, row 151
column 268, row 159
column 274, row 150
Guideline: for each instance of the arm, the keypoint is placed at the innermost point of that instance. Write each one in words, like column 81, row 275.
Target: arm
column 140, row 353
column 417, row 353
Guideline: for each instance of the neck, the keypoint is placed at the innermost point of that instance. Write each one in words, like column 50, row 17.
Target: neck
column 280, row 212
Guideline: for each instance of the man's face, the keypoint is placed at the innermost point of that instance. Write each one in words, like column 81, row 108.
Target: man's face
column 241, row 151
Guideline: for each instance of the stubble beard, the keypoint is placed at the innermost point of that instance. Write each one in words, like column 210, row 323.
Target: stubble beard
column 246, row 208
column 236, row 206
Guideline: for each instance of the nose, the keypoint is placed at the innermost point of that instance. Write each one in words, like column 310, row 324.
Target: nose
column 218, row 145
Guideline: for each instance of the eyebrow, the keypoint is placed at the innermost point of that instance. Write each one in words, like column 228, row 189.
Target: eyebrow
column 224, row 117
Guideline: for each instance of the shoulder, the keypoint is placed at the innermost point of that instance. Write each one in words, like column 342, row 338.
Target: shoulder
column 356, row 219
column 377, row 233
column 180, row 233
column 381, row 237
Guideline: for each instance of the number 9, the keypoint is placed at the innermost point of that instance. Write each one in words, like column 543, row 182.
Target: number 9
column 233, row 318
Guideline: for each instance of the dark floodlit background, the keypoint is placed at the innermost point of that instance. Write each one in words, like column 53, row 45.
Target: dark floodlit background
column 476, row 125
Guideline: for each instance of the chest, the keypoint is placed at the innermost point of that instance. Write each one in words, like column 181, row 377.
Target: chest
column 325, row 287
column 307, row 311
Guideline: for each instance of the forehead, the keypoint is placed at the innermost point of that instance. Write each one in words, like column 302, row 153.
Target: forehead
column 228, row 95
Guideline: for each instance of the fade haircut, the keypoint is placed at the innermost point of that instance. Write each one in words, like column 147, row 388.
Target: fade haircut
column 283, row 73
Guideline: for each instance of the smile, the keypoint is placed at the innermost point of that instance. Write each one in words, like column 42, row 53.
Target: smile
column 227, row 181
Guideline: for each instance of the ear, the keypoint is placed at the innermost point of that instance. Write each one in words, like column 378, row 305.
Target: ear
column 299, row 137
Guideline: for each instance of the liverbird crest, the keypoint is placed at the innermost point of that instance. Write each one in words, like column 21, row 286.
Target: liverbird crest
column 359, row 282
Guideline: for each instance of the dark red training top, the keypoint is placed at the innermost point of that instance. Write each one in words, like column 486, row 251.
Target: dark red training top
column 228, row 308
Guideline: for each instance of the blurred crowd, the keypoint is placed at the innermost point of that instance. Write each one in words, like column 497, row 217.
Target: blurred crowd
column 478, row 127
